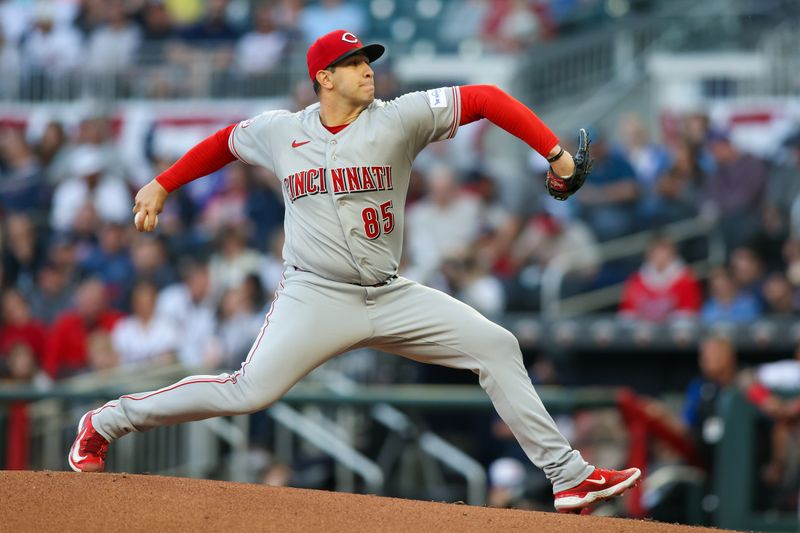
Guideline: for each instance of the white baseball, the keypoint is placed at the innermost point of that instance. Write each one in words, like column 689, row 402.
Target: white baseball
column 138, row 218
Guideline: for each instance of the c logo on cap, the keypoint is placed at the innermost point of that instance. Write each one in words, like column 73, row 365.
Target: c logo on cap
column 349, row 38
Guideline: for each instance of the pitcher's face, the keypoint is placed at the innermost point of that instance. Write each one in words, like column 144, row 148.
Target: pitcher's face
column 354, row 80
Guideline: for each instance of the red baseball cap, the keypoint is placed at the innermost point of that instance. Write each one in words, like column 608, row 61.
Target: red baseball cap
column 336, row 46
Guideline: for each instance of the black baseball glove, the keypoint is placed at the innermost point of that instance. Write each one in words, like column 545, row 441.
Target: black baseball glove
column 562, row 188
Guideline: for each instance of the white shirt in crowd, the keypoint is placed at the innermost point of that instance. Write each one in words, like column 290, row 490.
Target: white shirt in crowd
column 138, row 343
column 258, row 53
column 111, row 200
column 55, row 52
column 436, row 231
column 112, row 49
column 196, row 323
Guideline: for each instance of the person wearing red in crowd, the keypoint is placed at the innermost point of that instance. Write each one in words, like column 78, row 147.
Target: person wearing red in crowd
column 663, row 288
column 18, row 327
column 65, row 352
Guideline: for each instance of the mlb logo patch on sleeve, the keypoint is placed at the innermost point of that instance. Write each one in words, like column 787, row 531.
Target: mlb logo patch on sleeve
column 437, row 97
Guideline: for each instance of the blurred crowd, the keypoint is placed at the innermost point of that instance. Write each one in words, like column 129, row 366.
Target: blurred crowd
column 78, row 282
column 166, row 48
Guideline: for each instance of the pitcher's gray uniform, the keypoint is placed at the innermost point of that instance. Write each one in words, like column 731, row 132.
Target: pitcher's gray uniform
column 345, row 200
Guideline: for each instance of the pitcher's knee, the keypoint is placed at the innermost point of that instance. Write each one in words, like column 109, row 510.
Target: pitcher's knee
column 496, row 346
column 249, row 399
column 504, row 342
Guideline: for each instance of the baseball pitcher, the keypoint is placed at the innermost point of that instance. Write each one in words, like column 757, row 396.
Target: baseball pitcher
column 344, row 165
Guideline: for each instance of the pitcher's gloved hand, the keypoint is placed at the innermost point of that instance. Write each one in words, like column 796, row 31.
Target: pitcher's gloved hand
column 562, row 188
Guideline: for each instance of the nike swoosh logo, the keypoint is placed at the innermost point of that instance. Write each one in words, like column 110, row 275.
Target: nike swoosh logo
column 597, row 481
column 296, row 144
column 76, row 456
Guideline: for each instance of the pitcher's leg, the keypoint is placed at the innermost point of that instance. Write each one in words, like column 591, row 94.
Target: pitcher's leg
column 306, row 325
column 430, row 326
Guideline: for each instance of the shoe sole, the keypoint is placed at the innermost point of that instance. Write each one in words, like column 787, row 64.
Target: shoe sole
column 570, row 504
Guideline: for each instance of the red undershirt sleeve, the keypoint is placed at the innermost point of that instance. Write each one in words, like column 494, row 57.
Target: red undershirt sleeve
column 505, row 111
column 209, row 155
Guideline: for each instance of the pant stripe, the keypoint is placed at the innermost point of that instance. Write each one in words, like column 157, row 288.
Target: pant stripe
column 207, row 378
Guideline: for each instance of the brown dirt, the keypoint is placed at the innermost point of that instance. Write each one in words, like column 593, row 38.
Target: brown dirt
column 66, row 501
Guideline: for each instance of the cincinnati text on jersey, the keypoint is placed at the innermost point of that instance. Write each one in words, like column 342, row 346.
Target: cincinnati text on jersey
column 343, row 180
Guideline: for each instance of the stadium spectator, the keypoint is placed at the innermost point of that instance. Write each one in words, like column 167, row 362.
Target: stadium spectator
column 158, row 34
column 100, row 352
column 112, row 47
column 94, row 134
column 545, row 241
column 18, row 365
column 499, row 225
column 188, row 307
column 462, row 21
column 52, row 294
column 698, row 421
column 784, row 187
column 446, row 221
column 228, row 205
column 511, row 26
column 65, row 350
column 62, row 251
column 259, row 51
column 263, row 204
column 735, row 190
column 328, row 15
column 255, row 295
column 779, row 295
column 663, row 288
column 151, row 261
column 607, row 201
column 286, row 14
column 775, row 389
column 239, row 323
column 214, row 28
column 271, row 272
column 142, row 339
column 648, row 159
column 17, row 326
column 470, row 280
column 233, row 261
column 791, row 255
column 158, row 54
column 747, row 269
column 9, row 65
column 770, row 237
column 22, row 180
column 50, row 54
column 51, row 151
column 726, row 302
column 678, row 188
column 205, row 50
column 90, row 189
column 22, row 252
column 111, row 262
column 90, row 16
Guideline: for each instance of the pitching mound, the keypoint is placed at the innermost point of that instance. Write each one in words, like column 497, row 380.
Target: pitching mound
column 66, row 501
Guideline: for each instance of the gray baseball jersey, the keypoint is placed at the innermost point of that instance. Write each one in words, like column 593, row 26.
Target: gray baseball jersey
column 345, row 196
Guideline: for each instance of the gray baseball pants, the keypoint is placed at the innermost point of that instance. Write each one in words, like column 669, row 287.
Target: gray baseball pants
column 313, row 319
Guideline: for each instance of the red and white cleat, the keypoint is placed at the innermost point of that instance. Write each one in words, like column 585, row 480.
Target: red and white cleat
column 600, row 485
column 88, row 452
